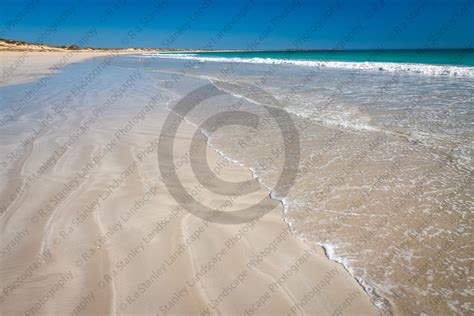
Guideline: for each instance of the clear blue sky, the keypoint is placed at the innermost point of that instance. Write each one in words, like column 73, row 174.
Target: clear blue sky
column 191, row 24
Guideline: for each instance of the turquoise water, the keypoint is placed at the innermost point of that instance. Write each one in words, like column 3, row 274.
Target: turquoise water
column 459, row 57
column 441, row 62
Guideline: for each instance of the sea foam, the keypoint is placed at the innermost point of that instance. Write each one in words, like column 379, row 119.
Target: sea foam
column 424, row 69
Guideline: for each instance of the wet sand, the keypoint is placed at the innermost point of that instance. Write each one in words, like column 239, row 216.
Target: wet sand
column 93, row 230
column 26, row 66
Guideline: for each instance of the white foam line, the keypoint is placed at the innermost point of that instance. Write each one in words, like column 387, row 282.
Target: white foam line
column 424, row 69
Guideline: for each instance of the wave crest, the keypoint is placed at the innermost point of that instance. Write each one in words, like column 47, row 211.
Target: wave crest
column 424, row 69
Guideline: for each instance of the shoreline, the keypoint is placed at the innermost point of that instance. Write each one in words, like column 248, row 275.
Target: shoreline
column 380, row 303
column 380, row 306
column 278, row 212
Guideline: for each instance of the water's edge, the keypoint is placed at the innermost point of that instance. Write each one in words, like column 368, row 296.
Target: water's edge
column 381, row 304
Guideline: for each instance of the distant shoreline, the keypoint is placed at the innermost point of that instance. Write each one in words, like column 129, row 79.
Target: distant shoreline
column 21, row 46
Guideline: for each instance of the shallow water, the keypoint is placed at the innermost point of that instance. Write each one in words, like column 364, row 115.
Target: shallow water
column 384, row 181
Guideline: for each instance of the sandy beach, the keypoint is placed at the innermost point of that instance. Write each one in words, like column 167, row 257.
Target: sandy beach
column 88, row 227
column 236, row 158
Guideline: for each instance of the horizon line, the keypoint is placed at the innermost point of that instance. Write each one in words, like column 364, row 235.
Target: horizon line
column 20, row 42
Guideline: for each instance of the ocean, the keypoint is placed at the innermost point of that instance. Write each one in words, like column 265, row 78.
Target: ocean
column 458, row 62
column 385, row 167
